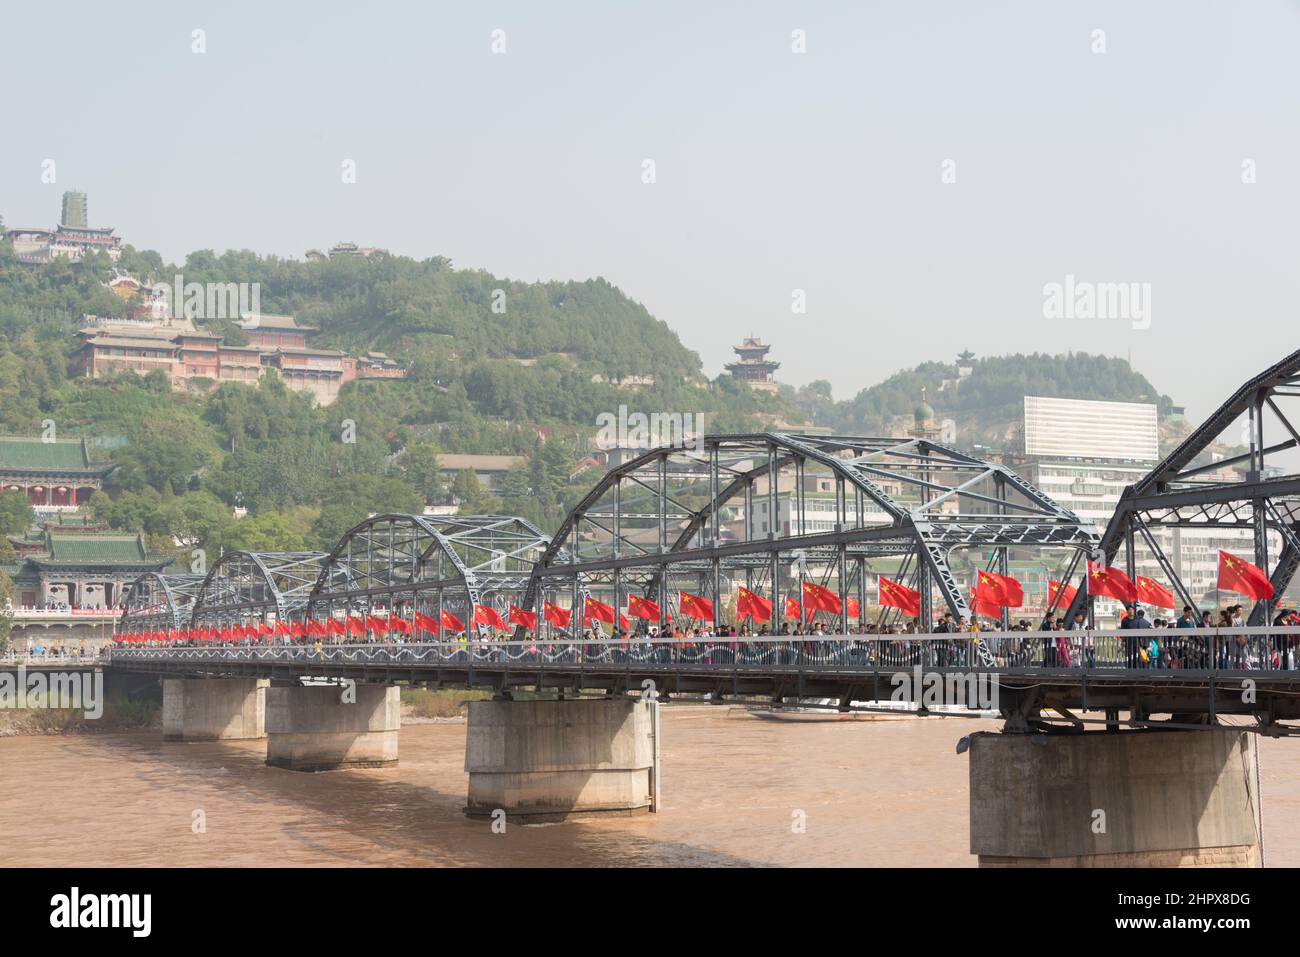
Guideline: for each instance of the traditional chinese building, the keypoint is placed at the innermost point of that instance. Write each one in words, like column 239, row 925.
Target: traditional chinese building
column 193, row 359
column 752, row 364
column 81, row 566
column 269, row 333
column 54, row 476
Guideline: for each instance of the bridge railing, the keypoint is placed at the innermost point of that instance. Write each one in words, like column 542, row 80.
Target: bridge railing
column 88, row 656
column 1264, row 648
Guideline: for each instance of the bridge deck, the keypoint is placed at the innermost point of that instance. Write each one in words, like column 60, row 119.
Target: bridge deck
column 1209, row 673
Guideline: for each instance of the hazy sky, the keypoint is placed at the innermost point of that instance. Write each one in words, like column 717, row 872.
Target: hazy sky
column 775, row 171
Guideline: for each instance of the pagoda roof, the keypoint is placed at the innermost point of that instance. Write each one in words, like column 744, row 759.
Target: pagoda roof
column 97, row 549
column 132, row 342
column 296, row 351
column 255, row 321
column 26, row 453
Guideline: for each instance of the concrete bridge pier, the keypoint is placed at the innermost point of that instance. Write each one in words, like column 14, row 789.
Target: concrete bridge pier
column 214, row 709
column 1117, row 799
column 328, row 727
column 547, row 760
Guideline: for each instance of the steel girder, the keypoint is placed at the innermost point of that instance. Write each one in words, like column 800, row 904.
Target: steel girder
column 393, row 555
column 1189, row 490
column 661, row 512
column 157, row 601
column 247, row 585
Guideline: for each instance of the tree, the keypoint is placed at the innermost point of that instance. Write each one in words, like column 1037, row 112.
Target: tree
column 474, row 499
column 16, row 516
column 420, row 464
column 270, row 532
column 351, row 499
column 6, row 612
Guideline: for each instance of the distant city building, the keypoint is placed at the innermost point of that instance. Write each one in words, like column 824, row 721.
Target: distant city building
column 75, row 210
column 1088, row 429
column 753, row 366
column 1084, row 453
column 923, row 425
column 349, row 249
column 488, row 469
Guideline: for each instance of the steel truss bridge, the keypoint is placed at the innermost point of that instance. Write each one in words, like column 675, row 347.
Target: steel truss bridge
column 766, row 511
column 770, row 511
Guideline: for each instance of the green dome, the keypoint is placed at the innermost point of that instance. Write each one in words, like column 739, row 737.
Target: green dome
column 923, row 412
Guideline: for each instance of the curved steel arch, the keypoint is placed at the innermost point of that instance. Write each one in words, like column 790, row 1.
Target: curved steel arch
column 930, row 499
column 247, row 584
column 156, row 601
column 395, row 555
column 1192, row 488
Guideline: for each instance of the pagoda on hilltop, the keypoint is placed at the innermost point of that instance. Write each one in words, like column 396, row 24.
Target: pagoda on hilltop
column 752, row 364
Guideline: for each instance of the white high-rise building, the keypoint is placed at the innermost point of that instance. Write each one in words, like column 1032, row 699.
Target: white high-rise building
column 1084, row 453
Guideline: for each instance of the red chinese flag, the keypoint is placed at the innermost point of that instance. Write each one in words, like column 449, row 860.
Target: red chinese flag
column 1152, row 593
column 356, row 626
column 399, row 624
column 316, row 628
column 853, row 608
column 1001, row 590
column 694, row 606
column 426, row 623
column 335, row 626
column 1067, row 593
column 557, row 616
column 1110, row 582
column 375, row 623
column 899, row 596
column 623, row 623
column 791, row 608
column 820, row 598
column 1012, row 593
column 598, row 610
column 749, row 605
column 517, row 616
column 1239, row 575
column 486, row 615
column 451, row 622
column 263, row 628
column 638, row 607
column 981, row 606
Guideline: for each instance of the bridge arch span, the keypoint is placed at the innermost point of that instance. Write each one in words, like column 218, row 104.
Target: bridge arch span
column 771, row 510
column 402, row 564
column 248, row 587
column 159, row 602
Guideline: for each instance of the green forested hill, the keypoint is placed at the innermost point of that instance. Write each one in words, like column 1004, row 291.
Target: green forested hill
column 986, row 403
column 527, row 380
column 396, row 304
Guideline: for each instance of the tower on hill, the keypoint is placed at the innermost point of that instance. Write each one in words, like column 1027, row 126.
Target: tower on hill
column 75, row 210
column 752, row 364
